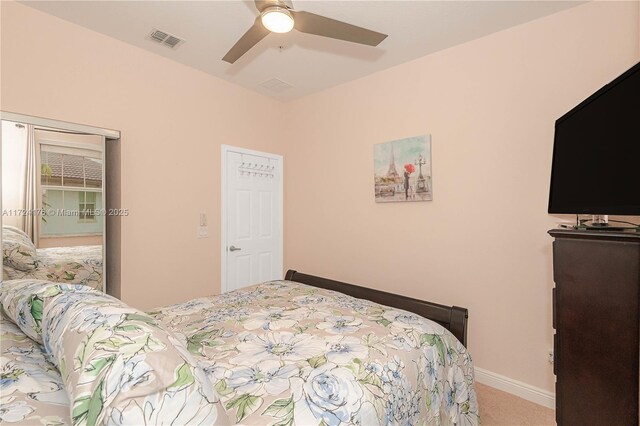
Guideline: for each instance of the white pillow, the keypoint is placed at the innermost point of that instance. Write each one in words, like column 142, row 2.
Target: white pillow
column 18, row 251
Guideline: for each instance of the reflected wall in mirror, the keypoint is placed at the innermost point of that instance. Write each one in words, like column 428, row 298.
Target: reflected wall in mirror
column 52, row 205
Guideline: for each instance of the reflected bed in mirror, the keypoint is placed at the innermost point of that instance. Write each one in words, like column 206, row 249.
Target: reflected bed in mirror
column 52, row 202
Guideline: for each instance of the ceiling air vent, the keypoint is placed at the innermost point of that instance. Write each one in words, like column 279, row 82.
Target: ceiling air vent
column 165, row 38
column 276, row 85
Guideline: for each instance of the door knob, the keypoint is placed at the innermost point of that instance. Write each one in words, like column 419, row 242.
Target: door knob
column 234, row 248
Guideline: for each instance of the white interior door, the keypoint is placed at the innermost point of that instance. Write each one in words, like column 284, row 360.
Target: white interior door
column 252, row 218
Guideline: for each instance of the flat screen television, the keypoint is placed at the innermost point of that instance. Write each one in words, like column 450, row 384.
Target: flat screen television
column 596, row 152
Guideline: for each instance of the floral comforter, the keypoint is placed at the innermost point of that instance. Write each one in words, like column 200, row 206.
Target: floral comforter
column 31, row 388
column 73, row 355
column 70, row 265
column 283, row 353
column 279, row 353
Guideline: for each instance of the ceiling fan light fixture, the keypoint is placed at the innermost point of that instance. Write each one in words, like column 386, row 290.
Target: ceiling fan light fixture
column 277, row 19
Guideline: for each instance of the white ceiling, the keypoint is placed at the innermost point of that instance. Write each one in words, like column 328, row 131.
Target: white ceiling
column 308, row 63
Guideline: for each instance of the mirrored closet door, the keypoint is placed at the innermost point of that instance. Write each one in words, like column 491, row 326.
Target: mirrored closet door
column 53, row 204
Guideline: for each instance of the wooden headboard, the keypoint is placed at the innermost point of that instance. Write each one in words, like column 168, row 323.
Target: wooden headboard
column 453, row 318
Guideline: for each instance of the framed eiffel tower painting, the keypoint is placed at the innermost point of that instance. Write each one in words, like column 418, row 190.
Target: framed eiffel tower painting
column 402, row 170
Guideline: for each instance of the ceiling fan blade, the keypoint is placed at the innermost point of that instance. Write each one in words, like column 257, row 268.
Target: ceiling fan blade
column 256, row 33
column 311, row 23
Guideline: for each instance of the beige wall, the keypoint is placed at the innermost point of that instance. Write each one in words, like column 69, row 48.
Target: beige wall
column 490, row 106
column 173, row 120
column 91, row 240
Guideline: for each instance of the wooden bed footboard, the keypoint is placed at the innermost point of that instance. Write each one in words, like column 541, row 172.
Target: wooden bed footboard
column 453, row 318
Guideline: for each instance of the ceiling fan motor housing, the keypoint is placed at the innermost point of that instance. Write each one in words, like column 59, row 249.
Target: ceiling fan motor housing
column 277, row 19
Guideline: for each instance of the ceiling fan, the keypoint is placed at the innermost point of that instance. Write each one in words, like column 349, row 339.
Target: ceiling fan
column 278, row 16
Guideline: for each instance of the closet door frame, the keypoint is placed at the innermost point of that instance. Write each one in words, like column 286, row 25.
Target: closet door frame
column 57, row 124
column 106, row 134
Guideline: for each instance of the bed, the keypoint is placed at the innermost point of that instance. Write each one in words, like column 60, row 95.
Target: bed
column 278, row 353
column 71, row 265
column 73, row 355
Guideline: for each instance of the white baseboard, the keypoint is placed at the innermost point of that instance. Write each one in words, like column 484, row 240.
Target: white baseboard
column 515, row 387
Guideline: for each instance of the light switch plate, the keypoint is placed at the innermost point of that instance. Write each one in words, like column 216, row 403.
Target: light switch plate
column 203, row 232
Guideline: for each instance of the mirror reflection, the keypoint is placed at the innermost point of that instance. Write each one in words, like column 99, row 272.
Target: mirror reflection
column 52, row 205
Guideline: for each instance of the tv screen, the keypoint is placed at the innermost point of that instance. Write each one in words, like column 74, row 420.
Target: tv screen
column 596, row 152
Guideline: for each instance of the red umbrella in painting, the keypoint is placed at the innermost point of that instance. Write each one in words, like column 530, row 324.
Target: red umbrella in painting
column 409, row 168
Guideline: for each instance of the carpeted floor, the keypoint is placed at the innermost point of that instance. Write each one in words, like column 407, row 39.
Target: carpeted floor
column 503, row 409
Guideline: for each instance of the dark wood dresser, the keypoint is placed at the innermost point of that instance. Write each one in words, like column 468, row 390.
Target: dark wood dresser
column 596, row 316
